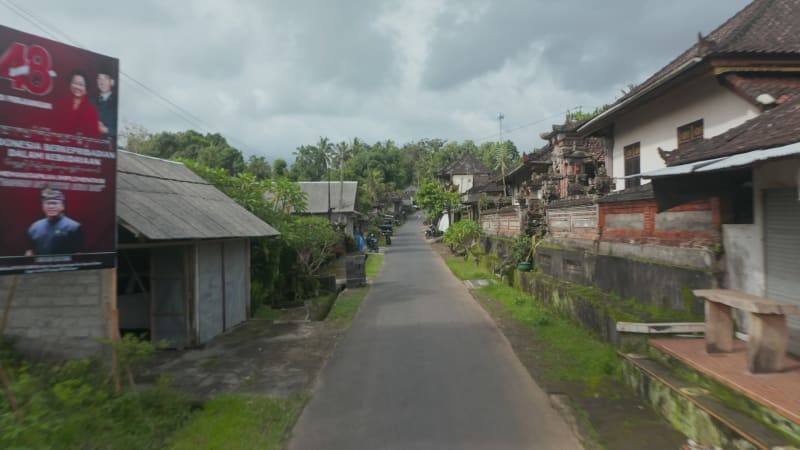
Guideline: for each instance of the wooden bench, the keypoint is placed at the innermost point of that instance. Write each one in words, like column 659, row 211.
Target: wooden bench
column 768, row 334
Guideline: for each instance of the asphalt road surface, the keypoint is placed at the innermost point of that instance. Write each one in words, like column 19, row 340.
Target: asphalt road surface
column 424, row 367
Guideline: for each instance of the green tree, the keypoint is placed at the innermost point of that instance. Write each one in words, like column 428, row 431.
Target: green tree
column 211, row 150
column 286, row 197
column 281, row 168
column 313, row 238
column 504, row 155
column 463, row 237
column 435, row 200
column 259, row 167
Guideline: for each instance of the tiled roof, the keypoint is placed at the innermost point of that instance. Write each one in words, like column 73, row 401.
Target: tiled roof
column 776, row 127
column 543, row 154
column 643, row 192
column 468, row 165
column 764, row 27
column 752, row 85
column 571, row 203
column 566, row 127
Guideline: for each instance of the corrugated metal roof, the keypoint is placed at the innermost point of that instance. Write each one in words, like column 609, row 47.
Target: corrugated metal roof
column 317, row 192
column 681, row 169
column 162, row 200
column 727, row 162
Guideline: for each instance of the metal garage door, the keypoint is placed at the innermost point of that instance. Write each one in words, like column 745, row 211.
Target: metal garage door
column 782, row 250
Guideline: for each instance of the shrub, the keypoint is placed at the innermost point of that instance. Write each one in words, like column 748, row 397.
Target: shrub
column 522, row 247
column 463, row 237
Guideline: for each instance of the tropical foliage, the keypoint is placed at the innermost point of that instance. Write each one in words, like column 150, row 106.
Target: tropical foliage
column 463, row 237
column 435, row 199
column 313, row 238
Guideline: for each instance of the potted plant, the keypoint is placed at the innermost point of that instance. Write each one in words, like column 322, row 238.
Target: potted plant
column 522, row 248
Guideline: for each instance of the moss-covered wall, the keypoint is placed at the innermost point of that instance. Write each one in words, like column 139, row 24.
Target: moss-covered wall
column 651, row 283
column 729, row 396
column 682, row 413
column 594, row 308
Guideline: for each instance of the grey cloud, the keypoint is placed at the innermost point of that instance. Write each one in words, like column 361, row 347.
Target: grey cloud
column 336, row 41
column 586, row 46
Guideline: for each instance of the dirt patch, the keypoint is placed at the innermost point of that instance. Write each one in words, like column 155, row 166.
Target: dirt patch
column 278, row 359
column 615, row 418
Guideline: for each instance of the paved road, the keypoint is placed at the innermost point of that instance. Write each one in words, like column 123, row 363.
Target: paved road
column 423, row 367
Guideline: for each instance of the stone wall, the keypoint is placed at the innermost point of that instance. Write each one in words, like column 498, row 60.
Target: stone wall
column 648, row 282
column 598, row 289
column 56, row 316
column 695, row 224
column 577, row 222
column 503, row 222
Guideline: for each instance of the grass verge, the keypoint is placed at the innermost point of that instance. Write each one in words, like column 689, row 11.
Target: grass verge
column 237, row 421
column 267, row 312
column 570, row 352
column 346, row 306
column 467, row 270
column 374, row 264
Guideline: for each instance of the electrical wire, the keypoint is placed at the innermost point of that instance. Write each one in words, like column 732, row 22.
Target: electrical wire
column 526, row 125
column 188, row 117
column 57, row 34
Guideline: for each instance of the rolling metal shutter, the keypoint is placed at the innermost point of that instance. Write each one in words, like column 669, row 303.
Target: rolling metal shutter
column 782, row 253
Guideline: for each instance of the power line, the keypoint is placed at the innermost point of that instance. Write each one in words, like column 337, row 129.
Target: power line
column 525, row 125
column 56, row 33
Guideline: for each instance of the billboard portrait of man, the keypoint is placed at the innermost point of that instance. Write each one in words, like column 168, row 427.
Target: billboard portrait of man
column 106, row 101
column 58, row 155
column 55, row 233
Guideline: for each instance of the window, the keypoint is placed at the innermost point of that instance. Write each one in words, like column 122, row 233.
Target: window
column 690, row 132
column 632, row 166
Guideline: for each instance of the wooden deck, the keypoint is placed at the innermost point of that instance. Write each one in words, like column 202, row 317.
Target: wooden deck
column 780, row 391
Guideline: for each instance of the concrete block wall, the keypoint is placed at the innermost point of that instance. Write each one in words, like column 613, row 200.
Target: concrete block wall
column 648, row 282
column 56, row 316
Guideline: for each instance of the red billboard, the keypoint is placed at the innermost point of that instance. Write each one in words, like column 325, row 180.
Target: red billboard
column 58, row 156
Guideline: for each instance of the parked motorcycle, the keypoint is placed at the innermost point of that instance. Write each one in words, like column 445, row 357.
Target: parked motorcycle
column 372, row 243
column 432, row 232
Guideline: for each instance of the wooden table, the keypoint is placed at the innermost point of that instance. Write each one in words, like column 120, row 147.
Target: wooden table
column 768, row 333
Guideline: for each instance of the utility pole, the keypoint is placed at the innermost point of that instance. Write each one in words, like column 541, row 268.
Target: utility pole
column 341, row 177
column 330, row 210
column 500, row 118
column 501, row 152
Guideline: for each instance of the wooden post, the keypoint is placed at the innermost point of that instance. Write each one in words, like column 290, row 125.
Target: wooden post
column 7, row 308
column 769, row 340
column 109, row 293
column 3, row 379
column 719, row 327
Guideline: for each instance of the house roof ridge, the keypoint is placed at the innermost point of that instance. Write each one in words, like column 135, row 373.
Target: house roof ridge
column 742, row 34
column 761, row 9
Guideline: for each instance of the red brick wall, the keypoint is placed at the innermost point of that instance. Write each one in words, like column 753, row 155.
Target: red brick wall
column 701, row 220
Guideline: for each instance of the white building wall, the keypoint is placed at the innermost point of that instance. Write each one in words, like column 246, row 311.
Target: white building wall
column 656, row 123
column 464, row 182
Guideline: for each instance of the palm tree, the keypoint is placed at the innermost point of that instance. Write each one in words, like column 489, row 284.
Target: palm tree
column 502, row 156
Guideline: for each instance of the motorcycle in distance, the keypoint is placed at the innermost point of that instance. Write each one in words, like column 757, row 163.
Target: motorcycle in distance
column 372, row 243
column 386, row 232
column 432, row 232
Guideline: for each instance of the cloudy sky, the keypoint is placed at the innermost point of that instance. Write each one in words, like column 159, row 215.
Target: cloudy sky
column 272, row 75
